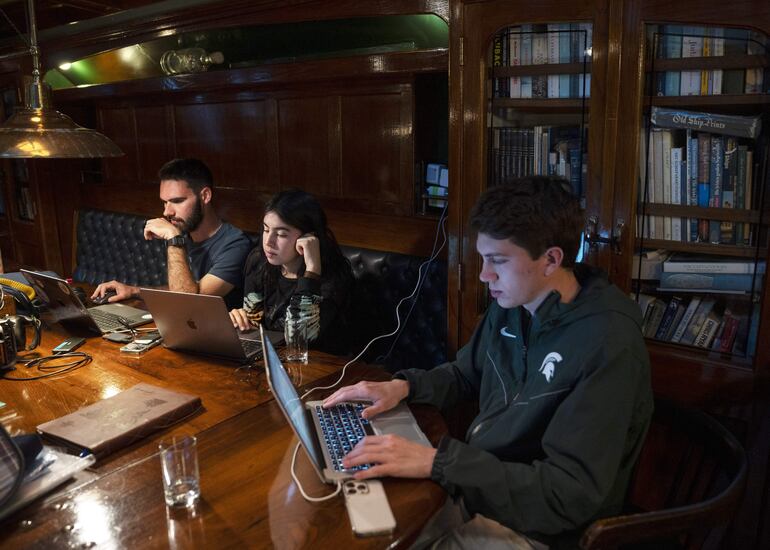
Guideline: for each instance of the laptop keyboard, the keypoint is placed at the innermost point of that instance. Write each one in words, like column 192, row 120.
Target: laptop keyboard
column 342, row 427
column 107, row 322
column 251, row 347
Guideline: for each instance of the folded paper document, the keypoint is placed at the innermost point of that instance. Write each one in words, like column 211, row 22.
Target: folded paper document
column 121, row 419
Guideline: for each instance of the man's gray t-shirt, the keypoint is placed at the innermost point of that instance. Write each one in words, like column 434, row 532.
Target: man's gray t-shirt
column 222, row 255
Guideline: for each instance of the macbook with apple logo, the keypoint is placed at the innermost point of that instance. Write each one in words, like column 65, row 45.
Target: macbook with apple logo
column 200, row 323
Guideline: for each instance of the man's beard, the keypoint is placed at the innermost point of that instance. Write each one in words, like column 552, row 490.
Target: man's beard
column 190, row 224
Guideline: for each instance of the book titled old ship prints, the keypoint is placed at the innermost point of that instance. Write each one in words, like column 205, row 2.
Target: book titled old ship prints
column 120, row 420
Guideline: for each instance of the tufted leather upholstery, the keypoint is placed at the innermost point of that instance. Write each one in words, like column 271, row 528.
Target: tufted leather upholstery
column 382, row 279
column 111, row 245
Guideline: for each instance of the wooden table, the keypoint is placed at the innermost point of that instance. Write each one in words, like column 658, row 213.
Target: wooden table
column 248, row 498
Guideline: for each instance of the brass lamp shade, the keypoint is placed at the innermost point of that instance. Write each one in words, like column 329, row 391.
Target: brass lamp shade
column 39, row 131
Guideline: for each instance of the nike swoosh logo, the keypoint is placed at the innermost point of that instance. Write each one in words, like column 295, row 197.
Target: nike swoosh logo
column 504, row 332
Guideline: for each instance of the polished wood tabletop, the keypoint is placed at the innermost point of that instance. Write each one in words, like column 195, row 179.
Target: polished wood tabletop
column 225, row 387
column 245, row 446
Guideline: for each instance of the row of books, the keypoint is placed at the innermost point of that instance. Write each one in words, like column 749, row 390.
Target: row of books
column 679, row 272
column 555, row 43
column 699, row 321
column 676, row 41
column 685, row 167
column 541, row 150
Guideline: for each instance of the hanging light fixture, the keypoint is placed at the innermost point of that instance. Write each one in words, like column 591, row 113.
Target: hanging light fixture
column 39, row 131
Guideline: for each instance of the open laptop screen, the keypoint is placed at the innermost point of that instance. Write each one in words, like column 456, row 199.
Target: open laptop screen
column 291, row 404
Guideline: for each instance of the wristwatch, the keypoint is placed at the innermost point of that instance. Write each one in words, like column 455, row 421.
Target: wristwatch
column 179, row 240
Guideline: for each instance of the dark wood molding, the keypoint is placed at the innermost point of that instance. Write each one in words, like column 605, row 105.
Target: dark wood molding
column 227, row 14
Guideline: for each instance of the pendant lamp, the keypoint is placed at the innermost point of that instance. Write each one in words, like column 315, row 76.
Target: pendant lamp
column 39, row 131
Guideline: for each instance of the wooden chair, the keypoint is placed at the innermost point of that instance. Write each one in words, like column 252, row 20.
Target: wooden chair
column 689, row 480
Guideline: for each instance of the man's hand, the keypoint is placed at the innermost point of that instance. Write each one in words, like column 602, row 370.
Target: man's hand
column 383, row 395
column 392, row 455
column 239, row 319
column 160, row 228
column 122, row 291
column 310, row 249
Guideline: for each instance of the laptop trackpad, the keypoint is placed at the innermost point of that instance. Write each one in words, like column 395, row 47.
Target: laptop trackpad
column 399, row 421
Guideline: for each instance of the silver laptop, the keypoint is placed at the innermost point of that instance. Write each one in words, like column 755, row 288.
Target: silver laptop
column 200, row 323
column 329, row 434
column 68, row 309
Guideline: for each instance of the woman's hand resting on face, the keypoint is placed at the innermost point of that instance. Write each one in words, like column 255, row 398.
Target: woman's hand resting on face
column 309, row 248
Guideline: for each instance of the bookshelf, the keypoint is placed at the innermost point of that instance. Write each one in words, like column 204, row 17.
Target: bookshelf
column 703, row 150
column 539, row 81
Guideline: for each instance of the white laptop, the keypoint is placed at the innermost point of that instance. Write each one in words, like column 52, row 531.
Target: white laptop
column 319, row 430
column 68, row 309
column 200, row 323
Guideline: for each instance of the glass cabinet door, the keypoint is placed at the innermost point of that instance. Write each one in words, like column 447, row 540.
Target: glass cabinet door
column 529, row 94
column 701, row 226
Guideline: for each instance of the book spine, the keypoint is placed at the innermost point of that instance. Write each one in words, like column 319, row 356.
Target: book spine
column 668, row 318
column 695, row 326
column 726, row 228
column 717, row 162
column 732, row 125
column 692, row 182
column 707, row 331
column 676, row 191
column 660, row 196
column 717, row 50
column 714, row 267
column 692, row 307
column 692, row 46
column 728, row 333
column 514, row 57
column 667, row 184
column 704, row 168
column 740, row 189
column 497, row 61
column 710, row 281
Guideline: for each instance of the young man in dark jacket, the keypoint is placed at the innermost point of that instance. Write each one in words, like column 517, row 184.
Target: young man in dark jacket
column 560, row 370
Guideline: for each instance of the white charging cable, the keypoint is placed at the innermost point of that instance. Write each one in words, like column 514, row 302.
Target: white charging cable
column 441, row 227
column 398, row 319
column 299, row 485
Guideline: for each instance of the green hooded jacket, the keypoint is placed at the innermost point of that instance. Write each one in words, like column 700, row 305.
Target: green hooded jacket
column 564, row 404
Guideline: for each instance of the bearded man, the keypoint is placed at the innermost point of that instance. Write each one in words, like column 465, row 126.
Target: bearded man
column 205, row 254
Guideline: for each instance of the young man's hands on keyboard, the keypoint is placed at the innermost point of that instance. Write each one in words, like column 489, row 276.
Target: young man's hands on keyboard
column 391, row 455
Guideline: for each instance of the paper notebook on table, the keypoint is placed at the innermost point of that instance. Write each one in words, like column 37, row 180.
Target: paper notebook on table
column 121, row 419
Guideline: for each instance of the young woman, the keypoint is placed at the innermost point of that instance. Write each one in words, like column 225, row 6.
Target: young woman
column 298, row 272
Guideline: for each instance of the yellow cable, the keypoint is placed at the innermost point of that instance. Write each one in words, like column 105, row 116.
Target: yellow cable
column 28, row 291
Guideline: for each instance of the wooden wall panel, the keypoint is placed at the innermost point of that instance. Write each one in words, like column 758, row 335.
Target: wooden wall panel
column 374, row 159
column 230, row 137
column 349, row 142
column 155, row 141
column 304, row 125
column 118, row 124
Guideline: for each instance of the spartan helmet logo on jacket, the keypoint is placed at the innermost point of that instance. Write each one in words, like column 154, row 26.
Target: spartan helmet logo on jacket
column 549, row 365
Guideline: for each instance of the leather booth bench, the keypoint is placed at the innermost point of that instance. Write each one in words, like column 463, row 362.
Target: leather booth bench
column 111, row 245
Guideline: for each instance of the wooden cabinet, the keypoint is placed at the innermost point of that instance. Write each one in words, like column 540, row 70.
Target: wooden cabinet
column 606, row 129
column 580, row 117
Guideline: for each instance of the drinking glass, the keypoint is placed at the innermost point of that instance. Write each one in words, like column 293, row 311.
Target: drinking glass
column 179, row 467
